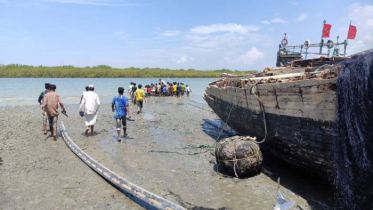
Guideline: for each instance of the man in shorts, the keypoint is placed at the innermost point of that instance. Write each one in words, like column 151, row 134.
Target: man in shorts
column 51, row 101
column 41, row 100
column 139, row 96
column 120, row 107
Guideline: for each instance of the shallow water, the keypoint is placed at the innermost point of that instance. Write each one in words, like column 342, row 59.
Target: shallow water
column 25, row 91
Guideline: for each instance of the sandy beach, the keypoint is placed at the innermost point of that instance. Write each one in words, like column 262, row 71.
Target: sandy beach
column 39, row 173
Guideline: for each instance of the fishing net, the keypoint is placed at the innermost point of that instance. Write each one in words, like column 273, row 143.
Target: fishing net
column 353, row 146
column 239, row 156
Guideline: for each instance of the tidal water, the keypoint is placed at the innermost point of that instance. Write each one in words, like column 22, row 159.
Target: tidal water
column 25, row 91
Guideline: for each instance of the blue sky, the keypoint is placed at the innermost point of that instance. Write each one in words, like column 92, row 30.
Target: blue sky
column 206, row 35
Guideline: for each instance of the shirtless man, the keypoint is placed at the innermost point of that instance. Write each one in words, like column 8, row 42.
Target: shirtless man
column 50, row 107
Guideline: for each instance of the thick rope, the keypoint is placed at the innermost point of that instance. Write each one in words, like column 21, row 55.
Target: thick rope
column 235, row 157
column 253, row 90
column 123, row 184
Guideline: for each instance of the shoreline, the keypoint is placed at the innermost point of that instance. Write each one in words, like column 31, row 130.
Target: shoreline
column 37, row 172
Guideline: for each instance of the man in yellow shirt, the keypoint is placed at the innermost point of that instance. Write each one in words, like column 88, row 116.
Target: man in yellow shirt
column 175, row 86
column 140, row 97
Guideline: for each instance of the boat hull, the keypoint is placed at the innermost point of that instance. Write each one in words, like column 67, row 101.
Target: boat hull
column 304, row 142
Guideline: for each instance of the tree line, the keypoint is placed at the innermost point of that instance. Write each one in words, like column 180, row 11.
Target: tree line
column 17, row 70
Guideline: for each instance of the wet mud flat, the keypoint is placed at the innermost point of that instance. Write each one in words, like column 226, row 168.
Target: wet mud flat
column 159, row 155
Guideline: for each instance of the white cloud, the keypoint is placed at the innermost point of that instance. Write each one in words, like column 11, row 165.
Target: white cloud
column 92, row 2
column 250, row 57
column 171, row 33
column 265, row 22
column 294, row 3
column 362, row 18
column 121, row 35
column 278, row 20
column 220, row 46
column 302, row 17
column 230, row 27
column 183, row 59
column 225, row 40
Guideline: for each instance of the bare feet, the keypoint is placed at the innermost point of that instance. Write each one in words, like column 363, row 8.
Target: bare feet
column 55, row 138
column 91, row 134
column 86, row 131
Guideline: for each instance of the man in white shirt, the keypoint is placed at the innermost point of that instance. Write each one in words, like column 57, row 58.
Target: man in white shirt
column 129, row 91
column 90, row 105
column 84, row 92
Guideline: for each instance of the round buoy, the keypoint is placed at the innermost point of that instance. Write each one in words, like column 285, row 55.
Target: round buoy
column 284, row 42
column 239, row 156
column 330, row 44
column 306, row 44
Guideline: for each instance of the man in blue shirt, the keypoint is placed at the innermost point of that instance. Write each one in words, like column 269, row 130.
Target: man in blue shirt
column 41, row 100
column 178, row 89
column 120, row 107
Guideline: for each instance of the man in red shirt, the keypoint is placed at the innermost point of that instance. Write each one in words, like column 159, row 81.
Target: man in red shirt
column 51, row 101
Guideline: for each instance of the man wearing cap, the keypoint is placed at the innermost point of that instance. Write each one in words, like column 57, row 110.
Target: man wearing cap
column 90, row 105
column 40, row 101
column 51, row 101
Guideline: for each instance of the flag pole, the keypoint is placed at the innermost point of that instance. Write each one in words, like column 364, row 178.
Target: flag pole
column 346, row 41
column 321, row 42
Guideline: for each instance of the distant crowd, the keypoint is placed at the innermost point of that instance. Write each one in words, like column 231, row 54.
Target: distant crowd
column 161, row 89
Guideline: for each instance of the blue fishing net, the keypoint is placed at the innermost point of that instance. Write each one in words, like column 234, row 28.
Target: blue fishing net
column 353, row 146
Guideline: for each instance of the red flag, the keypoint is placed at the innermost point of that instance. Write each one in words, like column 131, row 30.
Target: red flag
column 326, row 30
column 351, row 32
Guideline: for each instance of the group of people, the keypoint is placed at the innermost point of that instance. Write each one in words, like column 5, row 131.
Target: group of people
column 90, row 104
column 137, row 95
column 162, row 89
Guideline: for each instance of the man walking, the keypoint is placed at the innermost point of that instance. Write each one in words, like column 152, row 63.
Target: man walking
column 41, row 100
column 188, row 90
column 182, row 89
column 178, row 89
column 51, row 101
column 90, row 105
column 120, row 107
column 134, row 88
column 84, row 92
column 129, row 91
column 139, row 96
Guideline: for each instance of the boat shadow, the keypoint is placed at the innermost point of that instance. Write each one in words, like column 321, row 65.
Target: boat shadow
column 316, row 191
column 217, row 129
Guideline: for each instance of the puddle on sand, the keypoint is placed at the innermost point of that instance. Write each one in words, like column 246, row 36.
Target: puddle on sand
column 108, row 145
column 148, row 116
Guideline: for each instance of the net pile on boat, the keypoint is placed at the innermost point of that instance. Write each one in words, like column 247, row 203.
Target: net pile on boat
column 353, row 145
column 238, row 156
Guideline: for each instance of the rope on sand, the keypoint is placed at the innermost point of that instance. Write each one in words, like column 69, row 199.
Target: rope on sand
column 140, row 193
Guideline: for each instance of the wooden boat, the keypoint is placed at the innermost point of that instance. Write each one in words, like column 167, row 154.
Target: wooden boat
column 292, row 107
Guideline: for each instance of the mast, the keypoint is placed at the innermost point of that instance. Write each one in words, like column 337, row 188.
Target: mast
column 322, row 41
column 346, row 41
